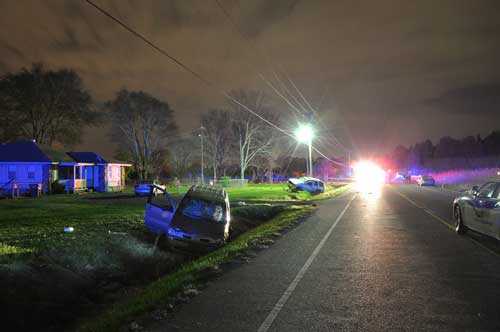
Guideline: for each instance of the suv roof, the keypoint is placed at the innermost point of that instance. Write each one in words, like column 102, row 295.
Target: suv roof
column 207, row 193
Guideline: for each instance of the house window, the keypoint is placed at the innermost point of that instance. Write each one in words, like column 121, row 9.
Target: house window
column 31, row 172
column 12, row 172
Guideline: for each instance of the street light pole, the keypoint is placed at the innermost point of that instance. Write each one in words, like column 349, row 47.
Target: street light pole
column 202, row 166
column 310, row 158
column 202, row 161
column 304, row 134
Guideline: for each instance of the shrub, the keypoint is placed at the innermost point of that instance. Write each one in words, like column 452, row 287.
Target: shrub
column 225, row 181
column 57, row 188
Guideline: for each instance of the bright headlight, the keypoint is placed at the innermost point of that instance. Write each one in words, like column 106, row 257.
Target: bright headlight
column 369, row 176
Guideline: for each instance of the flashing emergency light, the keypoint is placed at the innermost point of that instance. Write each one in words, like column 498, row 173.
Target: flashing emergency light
column 369, row 176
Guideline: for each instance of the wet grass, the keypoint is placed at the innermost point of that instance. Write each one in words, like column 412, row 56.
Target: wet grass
column 36, row 225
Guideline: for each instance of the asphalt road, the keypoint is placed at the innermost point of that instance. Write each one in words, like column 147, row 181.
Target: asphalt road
column 361, row 262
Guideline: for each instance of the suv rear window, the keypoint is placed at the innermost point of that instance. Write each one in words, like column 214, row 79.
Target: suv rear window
column 199, row 209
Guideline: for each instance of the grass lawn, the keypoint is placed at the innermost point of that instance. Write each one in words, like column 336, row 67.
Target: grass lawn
column 32, row 225
column 262, row 191
column 266, row 192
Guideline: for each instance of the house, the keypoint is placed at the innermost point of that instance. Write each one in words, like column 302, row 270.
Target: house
column 25, row 164
column 100, row 175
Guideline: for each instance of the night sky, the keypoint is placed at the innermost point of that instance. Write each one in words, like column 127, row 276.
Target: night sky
column 379, row 72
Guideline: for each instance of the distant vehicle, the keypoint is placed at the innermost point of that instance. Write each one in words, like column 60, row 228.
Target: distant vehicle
column 399, row 178
column 479, row 210
column 311, row 185
column 425, row 180
column 147, row 188
column 201, row 221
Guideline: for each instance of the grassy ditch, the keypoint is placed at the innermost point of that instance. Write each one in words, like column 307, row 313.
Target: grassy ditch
column 85, row 271
column 159, row 291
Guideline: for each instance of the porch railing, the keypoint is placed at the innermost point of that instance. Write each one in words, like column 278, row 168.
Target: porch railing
column 71, row 185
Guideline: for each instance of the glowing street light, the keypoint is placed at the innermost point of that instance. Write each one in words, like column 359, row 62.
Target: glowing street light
column 200, row 135
column 305, row 134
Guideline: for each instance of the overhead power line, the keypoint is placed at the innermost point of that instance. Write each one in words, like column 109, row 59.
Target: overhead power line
column 257, row 50
column 144, row 39
column 302, row 110
column 188, row 69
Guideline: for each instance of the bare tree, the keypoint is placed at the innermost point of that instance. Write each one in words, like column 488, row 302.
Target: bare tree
column 184, row 152
column 218, row 135
column 142, row 126
column 254, row 137
column 45, row 105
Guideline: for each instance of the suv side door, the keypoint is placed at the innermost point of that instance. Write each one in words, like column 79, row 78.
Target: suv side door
column 159, row 212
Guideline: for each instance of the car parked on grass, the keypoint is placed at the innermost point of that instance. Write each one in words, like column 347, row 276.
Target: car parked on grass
column 200, row 222
column 147, row 188
column 311, row 185
column 425, row 180
column 479, row 210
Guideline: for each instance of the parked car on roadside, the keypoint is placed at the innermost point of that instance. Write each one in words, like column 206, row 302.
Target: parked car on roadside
column 311, row 185
column 147, row 188
column 199, row 223
column 479, row 210
column 425, row 180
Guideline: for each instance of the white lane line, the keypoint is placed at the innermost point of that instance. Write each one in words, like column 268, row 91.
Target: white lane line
column 288, row 292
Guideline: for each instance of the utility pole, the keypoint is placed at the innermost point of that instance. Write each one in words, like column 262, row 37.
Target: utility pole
column 309, row 116
column 349, row 163
column 202, row 161
column 310, row 158
column 305, row 134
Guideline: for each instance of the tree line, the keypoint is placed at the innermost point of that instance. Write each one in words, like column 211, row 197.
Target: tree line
column 54, row 108
column 470, row 147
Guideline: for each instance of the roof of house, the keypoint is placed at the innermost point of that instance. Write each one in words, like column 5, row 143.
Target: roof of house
column 87, row 157
column 22, row 151
column 29, row 151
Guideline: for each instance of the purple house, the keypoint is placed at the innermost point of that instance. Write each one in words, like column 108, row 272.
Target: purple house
column 25, row 164
column 99, row 174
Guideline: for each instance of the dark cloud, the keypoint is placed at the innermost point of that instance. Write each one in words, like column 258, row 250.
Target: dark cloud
column 260, row 15
column 389, row 65
column 480, row 99
column 3, row 66
column 69, row 42
column 7, row 48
